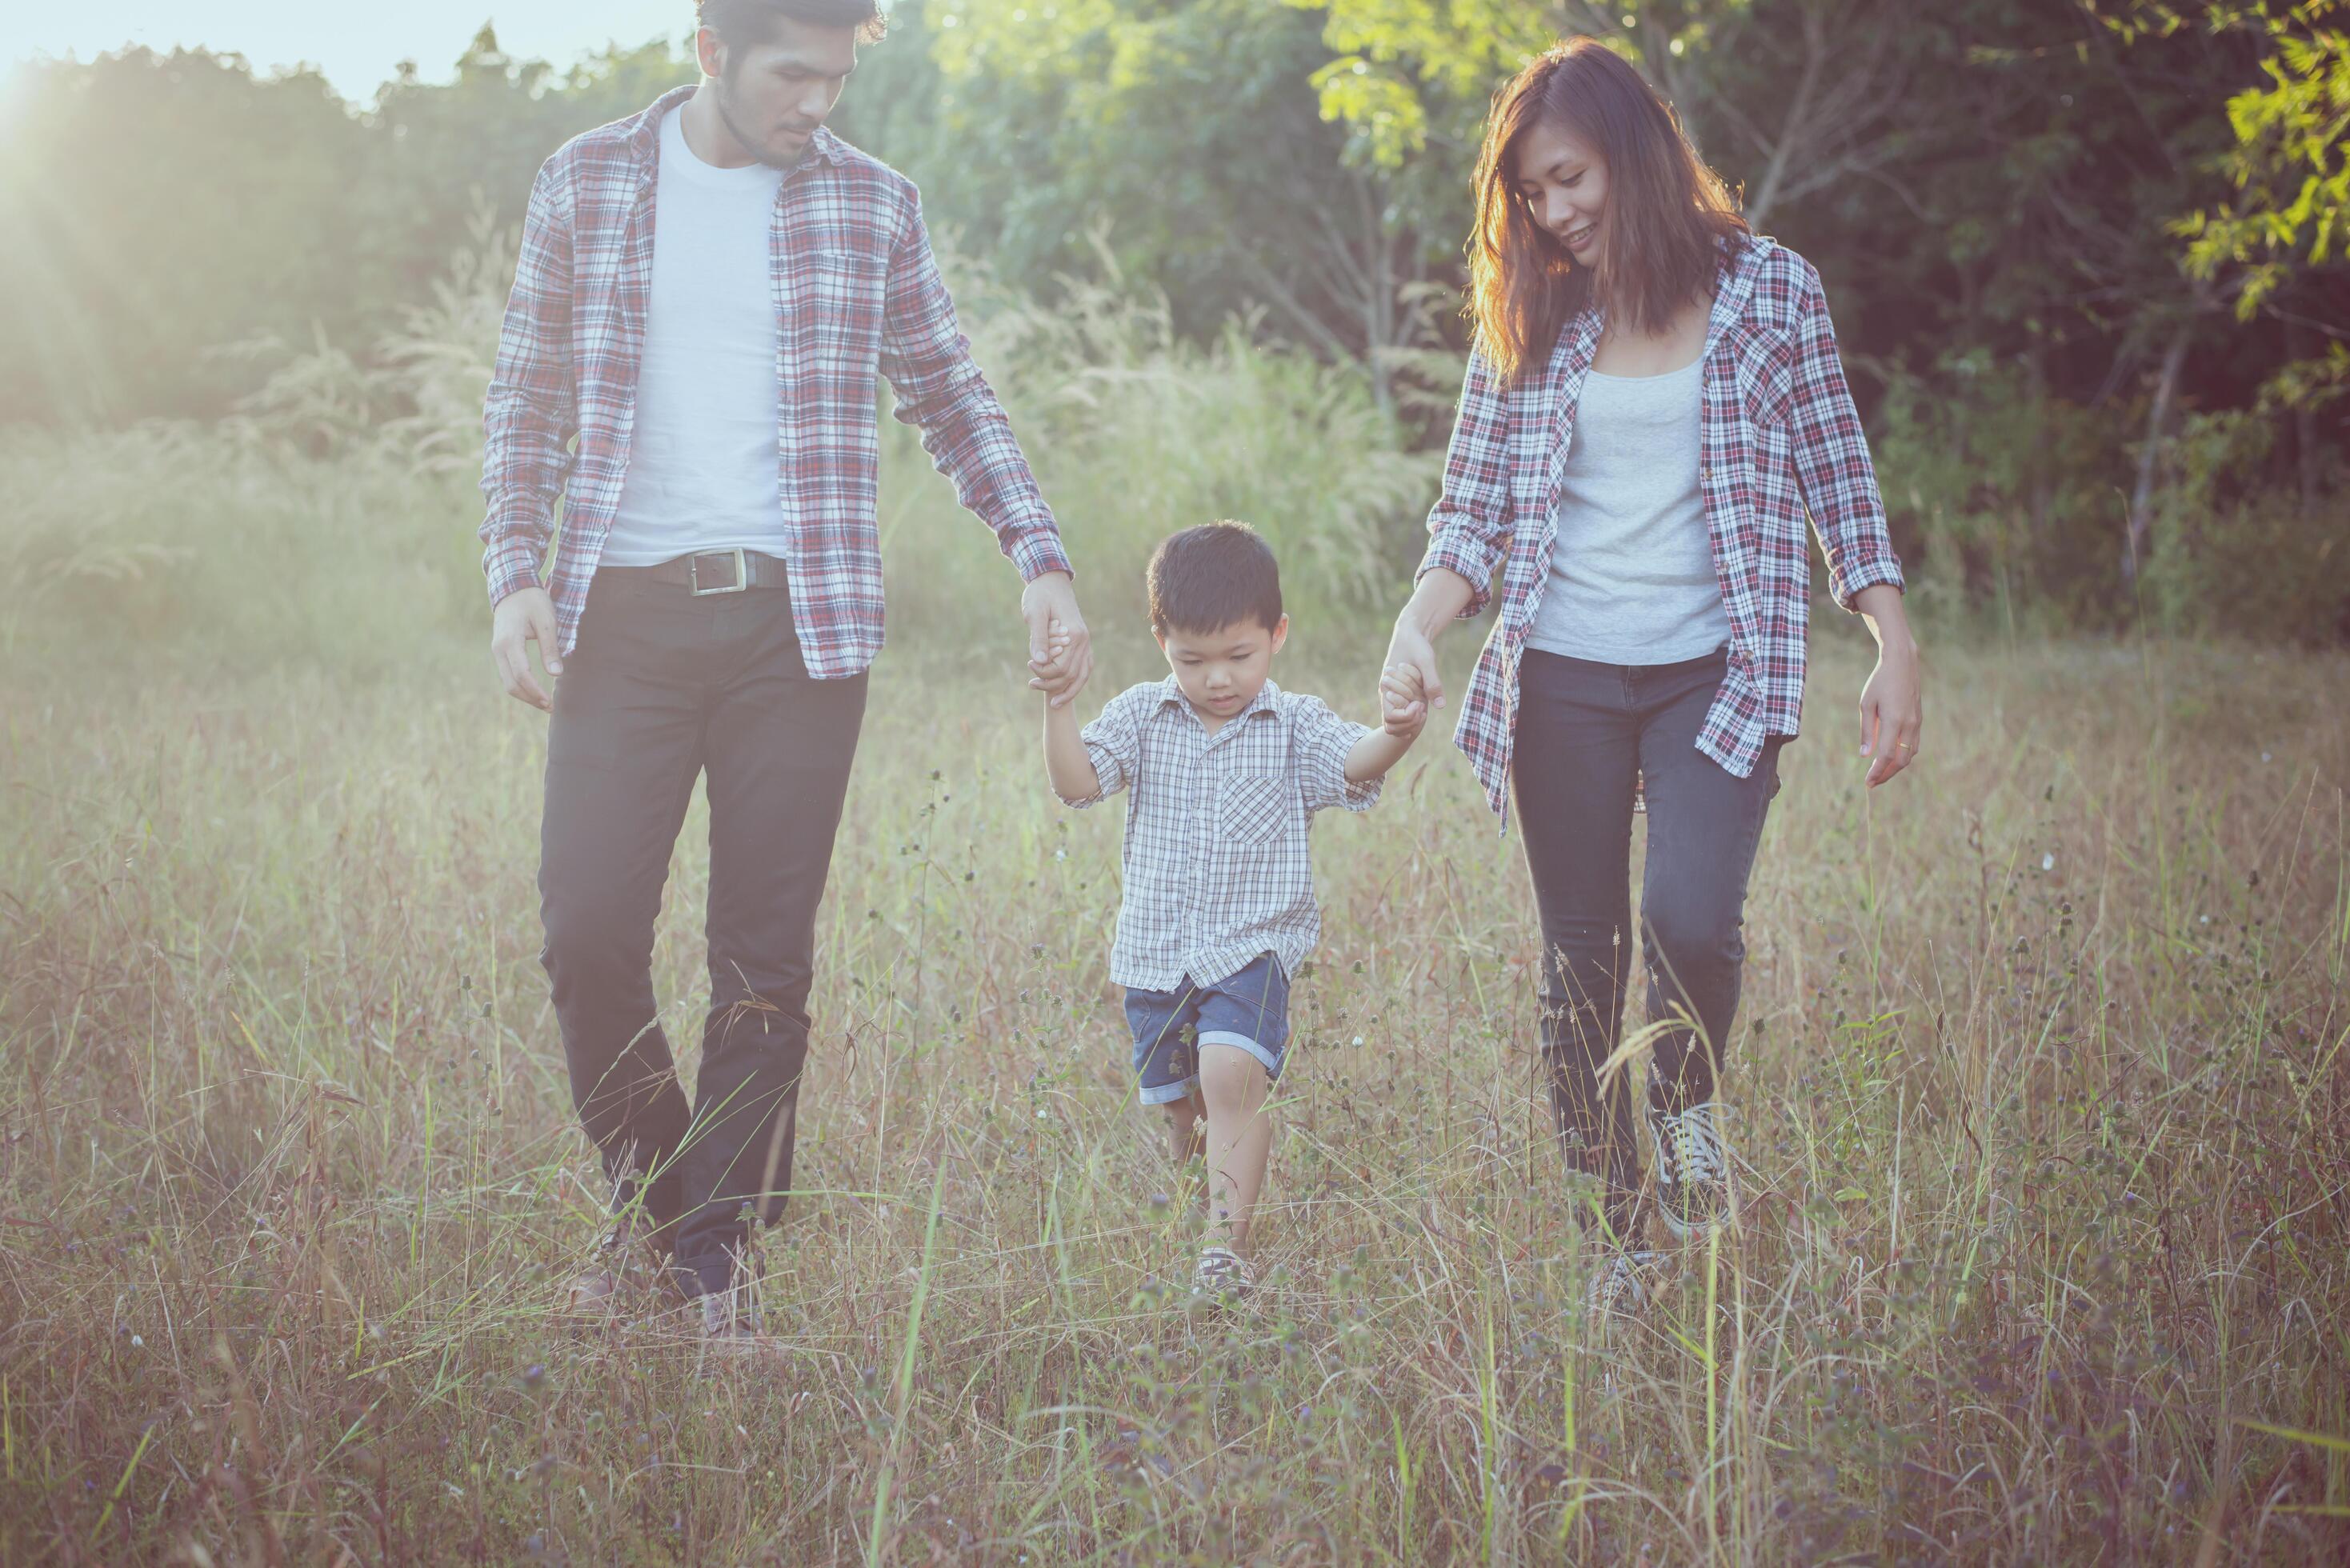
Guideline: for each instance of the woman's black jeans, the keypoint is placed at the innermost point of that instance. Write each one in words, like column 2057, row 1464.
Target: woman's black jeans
column 1584, row 732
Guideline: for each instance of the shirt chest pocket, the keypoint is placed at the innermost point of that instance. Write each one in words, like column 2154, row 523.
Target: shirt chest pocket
column 1762, row 362
column 1253, row 809
column 845, row 298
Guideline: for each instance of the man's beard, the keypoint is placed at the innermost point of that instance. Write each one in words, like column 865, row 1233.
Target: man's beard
column 744, row 138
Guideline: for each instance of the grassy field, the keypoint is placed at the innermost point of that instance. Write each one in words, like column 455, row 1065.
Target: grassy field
column 2041, row 1077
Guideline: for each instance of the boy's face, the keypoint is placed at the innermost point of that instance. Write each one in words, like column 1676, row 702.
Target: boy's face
column 1221, row 671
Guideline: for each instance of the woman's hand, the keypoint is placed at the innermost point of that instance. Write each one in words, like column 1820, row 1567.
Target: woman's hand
column 1441, row 597
column 1892, row 705
column 1409, row 686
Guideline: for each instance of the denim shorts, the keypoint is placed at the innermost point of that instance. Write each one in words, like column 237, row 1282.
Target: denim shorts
column 1248, row 1009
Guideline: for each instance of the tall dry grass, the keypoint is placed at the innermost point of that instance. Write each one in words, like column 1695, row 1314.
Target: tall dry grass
column 2040, row 1082
column 2040, row 1079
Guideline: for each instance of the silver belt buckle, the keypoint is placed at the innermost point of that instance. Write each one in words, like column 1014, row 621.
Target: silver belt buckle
column 693, row 574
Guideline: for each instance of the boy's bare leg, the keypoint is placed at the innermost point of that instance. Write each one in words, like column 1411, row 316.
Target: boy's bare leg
column 1187, row 1140
column 1240, row 1139
column 1187, row 1136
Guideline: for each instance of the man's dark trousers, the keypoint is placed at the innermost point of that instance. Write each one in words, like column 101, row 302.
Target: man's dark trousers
column 662, row 686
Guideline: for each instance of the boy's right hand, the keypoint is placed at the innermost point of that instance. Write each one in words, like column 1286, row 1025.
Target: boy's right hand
column 1057, row 642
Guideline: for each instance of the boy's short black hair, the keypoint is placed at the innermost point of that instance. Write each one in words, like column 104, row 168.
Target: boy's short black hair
column 1206, row 579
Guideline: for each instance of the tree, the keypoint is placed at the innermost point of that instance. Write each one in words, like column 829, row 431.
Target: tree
column 1190, row 126
column 1797, row 97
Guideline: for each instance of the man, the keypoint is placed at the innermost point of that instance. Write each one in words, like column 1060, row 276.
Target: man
column 705, row 294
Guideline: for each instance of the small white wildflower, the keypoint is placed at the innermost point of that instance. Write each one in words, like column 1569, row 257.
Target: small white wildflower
column 1358, row 1040
column 1060, row 854
column 1040, row 1113
column 2048, row 861
column 137, row 1342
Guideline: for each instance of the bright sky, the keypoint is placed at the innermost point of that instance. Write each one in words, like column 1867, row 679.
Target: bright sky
column 357, row 43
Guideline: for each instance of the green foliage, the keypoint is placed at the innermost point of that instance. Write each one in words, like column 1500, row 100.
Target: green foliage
column 2020, row 209
column 336, row 506
column 1137, row 432
column 2288, row 168
column 2237, row 557
column 178, row 203
column 2007, row 490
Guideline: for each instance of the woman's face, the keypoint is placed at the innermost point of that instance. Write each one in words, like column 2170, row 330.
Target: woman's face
column 1563, row 179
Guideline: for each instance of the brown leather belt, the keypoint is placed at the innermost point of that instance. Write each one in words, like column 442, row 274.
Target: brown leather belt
column 713, row 572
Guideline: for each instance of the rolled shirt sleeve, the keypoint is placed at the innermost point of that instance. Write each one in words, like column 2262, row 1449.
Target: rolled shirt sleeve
column 1832, row 460
column 1468, row 530
column 532, row 410
column 1114, row 743
column 1323, row 740
column 926, row 360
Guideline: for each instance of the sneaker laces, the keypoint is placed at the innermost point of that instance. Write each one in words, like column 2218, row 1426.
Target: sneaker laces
column 1624, row 1284
column 1221, row 1268
column 1689, row 1146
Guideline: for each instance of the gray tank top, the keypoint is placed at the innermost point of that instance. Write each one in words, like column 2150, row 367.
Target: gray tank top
column 1632, row 574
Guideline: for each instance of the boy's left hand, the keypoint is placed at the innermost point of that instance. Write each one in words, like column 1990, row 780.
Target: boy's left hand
column 1402, row 714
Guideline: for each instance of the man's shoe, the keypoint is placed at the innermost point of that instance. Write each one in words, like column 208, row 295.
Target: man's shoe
column 726, row 1321
column 620, row 1270
column 1693, row 1183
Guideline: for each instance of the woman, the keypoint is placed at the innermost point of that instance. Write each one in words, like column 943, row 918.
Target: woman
column 1653, row 402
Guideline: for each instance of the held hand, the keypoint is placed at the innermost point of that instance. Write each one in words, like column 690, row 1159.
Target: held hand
column 1403, row 710
column 1060, row 649
column 1892, row 714
column 524, row 617
column 1411, row 651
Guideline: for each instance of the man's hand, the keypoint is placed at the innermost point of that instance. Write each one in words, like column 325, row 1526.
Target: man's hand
column 523, row 616
column 1060, row 649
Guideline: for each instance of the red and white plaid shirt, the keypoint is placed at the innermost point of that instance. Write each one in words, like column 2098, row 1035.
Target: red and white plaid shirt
column 857, row 292
column 1779, row 436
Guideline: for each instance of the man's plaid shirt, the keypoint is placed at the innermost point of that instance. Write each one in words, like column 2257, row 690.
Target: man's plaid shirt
column 1779, row 437
column 1216, row 866
column 856, row 290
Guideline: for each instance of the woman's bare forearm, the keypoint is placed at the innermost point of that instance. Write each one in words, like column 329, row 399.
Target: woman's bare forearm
column 1880, row 605
column 1437, row 602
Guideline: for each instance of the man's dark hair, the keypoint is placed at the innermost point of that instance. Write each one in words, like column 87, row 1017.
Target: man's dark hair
column 1215, row 575
column 741, row 22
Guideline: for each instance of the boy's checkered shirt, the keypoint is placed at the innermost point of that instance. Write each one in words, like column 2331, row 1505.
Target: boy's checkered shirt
column 1216, row 866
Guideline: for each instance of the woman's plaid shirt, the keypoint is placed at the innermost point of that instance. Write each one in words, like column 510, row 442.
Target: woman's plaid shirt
column 1779, row 437
column 1216, row 868
column 857, row 292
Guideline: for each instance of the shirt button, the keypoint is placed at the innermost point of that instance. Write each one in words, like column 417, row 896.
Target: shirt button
column 1705, row 474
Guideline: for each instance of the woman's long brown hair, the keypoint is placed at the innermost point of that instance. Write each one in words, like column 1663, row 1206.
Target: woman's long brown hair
column 1666, row 212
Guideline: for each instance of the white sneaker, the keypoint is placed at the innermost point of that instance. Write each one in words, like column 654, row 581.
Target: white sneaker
column 1222, row 1278
column 1622, row 1287
column 1693, row 1186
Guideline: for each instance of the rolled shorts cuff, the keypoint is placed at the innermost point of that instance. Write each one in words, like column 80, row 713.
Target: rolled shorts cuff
column 1168, row 1093
column 1269, row 1059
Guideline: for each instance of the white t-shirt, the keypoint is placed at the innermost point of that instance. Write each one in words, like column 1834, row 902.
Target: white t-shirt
column 1631, row 574
column 705, row 470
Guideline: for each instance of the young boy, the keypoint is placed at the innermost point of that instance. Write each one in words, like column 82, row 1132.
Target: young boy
column 1224, row 771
